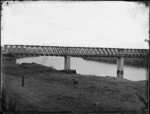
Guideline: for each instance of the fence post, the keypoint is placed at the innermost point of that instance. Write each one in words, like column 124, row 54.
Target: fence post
column 22, row 82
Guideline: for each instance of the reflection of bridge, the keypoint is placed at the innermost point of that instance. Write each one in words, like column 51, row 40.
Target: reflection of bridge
column 67, row 52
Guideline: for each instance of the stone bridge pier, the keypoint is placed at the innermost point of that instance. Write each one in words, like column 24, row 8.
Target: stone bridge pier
column 120, row 63
column 120, row 67
column 67, row 62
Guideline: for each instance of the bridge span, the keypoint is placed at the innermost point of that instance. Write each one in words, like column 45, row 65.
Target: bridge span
column 67, row 52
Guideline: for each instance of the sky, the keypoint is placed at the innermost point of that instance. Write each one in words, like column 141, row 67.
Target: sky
column 83, row 24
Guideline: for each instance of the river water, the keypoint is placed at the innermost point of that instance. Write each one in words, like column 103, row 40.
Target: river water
column 88, row 67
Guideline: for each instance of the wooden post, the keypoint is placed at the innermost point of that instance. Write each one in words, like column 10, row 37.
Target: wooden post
column 22, row 82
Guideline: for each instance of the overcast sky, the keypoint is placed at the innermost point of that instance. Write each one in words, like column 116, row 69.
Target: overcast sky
column 91, row 24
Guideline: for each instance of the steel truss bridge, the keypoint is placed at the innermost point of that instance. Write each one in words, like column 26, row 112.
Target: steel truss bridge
column 37, row 50
column 67, row 52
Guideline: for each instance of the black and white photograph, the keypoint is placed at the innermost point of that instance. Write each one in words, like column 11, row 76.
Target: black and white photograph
column 87, row 57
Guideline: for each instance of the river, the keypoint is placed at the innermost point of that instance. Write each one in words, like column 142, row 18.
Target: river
column 88, row 67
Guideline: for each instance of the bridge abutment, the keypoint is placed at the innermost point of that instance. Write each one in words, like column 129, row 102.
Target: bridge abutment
column 8, row 60
column 67, row 63
column 120, row 67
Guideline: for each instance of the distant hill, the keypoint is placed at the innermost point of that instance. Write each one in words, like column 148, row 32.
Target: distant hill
column 128, row 61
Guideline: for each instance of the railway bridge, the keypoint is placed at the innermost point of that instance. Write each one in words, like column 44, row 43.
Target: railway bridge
column 20, row 51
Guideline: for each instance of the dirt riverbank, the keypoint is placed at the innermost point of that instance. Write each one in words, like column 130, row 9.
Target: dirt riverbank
column 48, row 90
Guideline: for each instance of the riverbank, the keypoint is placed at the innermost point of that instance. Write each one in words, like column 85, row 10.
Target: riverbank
column 128, row 61
column 48, row 90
